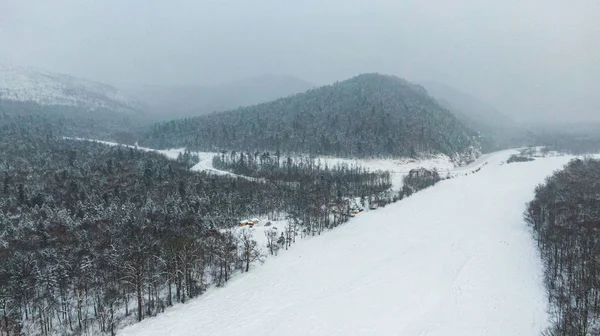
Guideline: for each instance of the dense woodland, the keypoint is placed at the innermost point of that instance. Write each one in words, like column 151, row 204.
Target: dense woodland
column 95, row 236
column 72, row 121
column 565, row 217
column 272, row 166
column 334, row 186
column 366, row 116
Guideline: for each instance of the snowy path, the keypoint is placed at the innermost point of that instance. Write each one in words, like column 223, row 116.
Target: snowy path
column 398, row 168
column 456, row 259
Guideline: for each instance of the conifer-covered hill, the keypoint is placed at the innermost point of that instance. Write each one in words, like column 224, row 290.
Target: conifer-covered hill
column 73, row 106
column 369, row 115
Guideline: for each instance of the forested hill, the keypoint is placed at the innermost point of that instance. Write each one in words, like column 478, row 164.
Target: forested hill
column 73, row 106
column 368, row 115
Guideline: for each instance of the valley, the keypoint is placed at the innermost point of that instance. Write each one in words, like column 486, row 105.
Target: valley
column 381, row 208
column 455, row 259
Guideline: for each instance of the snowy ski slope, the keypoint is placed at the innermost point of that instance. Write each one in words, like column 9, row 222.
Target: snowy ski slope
column 455, row 259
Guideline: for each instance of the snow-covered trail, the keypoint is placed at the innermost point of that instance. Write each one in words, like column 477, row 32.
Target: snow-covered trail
column 455, row 259
column 205, row 163
column 398, row 168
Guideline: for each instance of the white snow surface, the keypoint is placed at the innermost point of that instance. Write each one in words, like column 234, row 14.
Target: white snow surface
column 440, row 162
column 399, row 168
column 20, row 83
column 454, row 259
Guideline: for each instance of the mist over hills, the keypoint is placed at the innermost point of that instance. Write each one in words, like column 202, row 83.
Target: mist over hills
column 25, row 84
column 467, row 107
column 169, row 102
column 71, row 106
column 365, row 116
column 332, row 120
column 498, row 130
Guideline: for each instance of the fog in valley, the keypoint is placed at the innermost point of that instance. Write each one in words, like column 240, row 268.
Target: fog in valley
column 534, row 60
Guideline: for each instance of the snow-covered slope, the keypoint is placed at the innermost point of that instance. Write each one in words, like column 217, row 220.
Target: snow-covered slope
column 20, row 83
column 455, row 259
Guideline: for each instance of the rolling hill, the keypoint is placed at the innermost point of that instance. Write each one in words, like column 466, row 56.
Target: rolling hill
column 72, row 106
column 24, row 84
column 370, row 115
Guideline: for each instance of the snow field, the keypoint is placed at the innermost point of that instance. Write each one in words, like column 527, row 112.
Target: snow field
column 455, row 259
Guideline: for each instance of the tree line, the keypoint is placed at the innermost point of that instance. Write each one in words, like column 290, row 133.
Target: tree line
column 565, row 218
column 417, row 180
column 320, row 194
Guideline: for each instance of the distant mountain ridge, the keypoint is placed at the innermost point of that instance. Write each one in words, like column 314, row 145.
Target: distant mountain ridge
column 25, row 84
column 498, row 130
column 369, row 115
column 69, row 106
column 467, row 106
column 169, row 102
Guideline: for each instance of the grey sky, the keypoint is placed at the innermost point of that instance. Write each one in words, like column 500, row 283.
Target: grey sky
column 529, row 58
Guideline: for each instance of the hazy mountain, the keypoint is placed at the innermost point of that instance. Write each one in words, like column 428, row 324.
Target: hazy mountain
column 72, row 106
column 468, row 108
column 498, row 130
column 368, row 115
column 168, row 102
column 18, row 83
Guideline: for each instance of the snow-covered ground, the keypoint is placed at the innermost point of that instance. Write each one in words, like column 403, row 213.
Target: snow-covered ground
column 454, row 259
column 205, row 157
column 399, row 168
column 259, row 231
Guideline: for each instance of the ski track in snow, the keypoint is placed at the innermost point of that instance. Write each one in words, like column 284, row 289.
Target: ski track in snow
column 454, row 259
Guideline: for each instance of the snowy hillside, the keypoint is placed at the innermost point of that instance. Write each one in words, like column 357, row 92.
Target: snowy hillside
column 369, row 115
column 24, row 84
column 456, row 259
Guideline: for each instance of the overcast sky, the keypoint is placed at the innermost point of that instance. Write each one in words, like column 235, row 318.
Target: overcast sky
column 529, row 58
